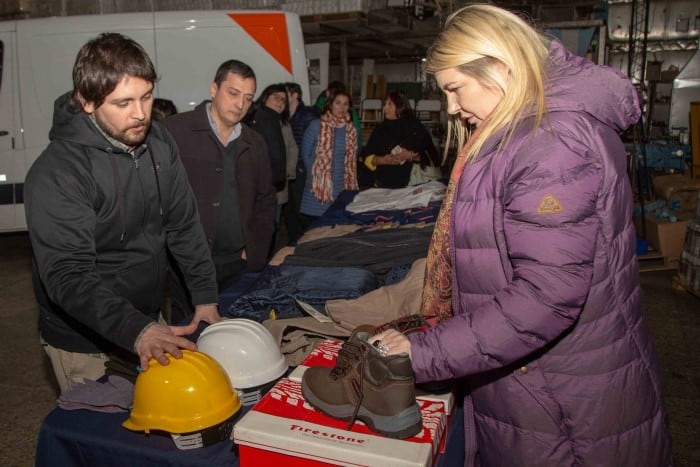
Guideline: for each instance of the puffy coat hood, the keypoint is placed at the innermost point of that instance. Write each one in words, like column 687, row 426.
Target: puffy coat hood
column 576, row 84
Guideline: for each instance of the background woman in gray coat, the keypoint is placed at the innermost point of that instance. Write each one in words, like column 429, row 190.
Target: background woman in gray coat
column 532, row 279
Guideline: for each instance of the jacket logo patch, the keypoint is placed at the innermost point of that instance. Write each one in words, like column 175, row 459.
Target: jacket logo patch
column 549, row 205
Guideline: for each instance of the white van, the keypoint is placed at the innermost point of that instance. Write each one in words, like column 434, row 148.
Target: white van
column 37, row 56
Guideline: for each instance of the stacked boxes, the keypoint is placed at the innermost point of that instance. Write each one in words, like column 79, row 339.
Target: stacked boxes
column 666, row 219
column 666, row 237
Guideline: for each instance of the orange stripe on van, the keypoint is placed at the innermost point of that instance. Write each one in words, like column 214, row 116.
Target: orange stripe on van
column 270, row 31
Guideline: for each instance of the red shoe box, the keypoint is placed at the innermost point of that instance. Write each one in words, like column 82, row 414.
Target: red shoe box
column 282, row 429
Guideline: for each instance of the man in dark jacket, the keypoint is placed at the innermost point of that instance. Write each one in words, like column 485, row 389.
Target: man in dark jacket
column 103, row 202
column 300, row 116
column 229, row 169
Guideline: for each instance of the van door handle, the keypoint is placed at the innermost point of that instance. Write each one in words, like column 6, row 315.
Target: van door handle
column 4, row 133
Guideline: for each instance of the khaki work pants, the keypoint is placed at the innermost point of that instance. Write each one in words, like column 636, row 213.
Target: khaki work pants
column 72, row 368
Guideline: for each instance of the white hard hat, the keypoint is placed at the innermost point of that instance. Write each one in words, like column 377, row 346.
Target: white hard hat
column 247, row 352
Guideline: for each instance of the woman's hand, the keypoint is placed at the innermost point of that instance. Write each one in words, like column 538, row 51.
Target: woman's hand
column 410, row 156
column 399, row 158
column 388, row 159
column 394, row 342
column 401, row 155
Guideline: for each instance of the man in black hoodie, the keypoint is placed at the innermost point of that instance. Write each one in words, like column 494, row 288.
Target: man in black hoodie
column 104, row 202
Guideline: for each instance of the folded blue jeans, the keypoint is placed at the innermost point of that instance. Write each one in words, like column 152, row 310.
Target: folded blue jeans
column 277, row 287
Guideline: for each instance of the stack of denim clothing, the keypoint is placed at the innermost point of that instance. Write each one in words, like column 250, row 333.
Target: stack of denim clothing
column 276, row 288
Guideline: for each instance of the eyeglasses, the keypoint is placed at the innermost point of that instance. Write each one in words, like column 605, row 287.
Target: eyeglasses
column 278, row 97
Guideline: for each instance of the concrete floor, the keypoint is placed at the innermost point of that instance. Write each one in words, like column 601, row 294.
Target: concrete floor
column 28, row 390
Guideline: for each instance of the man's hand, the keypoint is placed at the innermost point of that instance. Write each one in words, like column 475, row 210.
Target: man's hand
column 158, row 340
column 207, row 313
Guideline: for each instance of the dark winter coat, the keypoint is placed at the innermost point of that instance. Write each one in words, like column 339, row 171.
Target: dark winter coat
column 548, row 332
column 201, row 155
column 407, row 132
column 301, row 119
column 99, row 221
column 268, row 123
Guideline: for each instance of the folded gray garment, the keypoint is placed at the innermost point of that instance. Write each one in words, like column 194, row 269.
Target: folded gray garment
column 114, row 395
column 297, row 337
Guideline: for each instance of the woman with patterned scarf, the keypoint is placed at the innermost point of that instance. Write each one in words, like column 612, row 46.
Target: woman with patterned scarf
column 532, row 279
column 329, row 155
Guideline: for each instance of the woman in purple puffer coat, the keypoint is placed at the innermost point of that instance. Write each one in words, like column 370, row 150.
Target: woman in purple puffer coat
column 532, row 277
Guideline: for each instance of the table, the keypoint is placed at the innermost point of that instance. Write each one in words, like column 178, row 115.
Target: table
column 84, row 438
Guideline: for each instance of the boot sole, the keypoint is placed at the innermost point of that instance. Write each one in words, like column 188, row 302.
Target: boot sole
column 403, row 425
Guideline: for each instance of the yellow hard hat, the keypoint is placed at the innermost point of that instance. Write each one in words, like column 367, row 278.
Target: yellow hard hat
column 189, row 394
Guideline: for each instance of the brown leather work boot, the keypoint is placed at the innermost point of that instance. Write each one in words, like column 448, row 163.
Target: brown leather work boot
column 363, row 384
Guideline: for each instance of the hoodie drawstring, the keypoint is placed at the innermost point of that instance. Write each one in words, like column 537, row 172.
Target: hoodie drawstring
column 155, row 171
column 120, row 190
column 120, row 195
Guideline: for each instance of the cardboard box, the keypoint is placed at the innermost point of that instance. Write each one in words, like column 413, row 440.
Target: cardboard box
column 680, row 191
column 283, row 429
column 666, row 237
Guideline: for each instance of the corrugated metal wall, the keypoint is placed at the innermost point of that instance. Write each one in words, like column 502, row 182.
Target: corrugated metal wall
column 39, row 8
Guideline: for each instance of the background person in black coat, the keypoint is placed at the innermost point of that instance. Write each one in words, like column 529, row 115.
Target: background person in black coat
column 300, row 115
column 398, row 142
column 270, row 117
column 268, row 122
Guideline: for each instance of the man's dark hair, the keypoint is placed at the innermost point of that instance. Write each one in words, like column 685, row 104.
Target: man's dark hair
column 233, row 66
column 294, row 88
column 163, row 108
column 103, row 62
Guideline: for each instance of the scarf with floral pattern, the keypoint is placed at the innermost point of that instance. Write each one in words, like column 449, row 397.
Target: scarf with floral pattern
column 321, row 177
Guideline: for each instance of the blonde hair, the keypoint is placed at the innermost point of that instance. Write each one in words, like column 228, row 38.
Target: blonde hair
column 475, row 39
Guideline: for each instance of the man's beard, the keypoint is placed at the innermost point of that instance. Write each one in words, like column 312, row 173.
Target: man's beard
column 130, row 139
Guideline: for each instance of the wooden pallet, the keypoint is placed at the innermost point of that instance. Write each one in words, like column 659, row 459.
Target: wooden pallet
column 654, row 261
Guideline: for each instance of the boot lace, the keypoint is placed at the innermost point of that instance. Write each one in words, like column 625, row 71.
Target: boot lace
column 351, row 354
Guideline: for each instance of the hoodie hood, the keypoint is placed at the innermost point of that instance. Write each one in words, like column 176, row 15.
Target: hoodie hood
column 576, row 84
column 76, row 127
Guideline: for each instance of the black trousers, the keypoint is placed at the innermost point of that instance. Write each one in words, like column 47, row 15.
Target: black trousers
column 292, row 216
